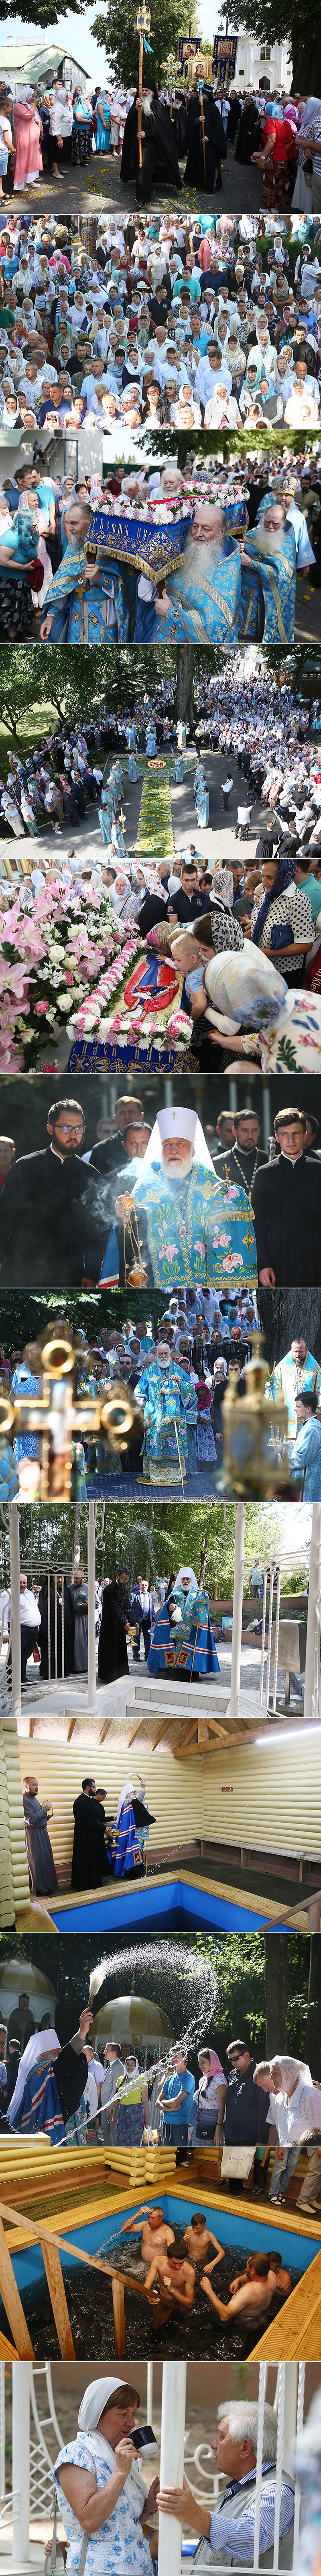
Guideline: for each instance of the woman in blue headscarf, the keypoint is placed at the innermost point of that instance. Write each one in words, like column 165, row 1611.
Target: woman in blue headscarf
column 283, row 926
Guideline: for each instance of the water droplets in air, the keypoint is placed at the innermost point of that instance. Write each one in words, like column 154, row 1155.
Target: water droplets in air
column 174, row 1965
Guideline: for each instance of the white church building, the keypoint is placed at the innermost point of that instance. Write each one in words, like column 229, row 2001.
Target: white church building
column 265, row 67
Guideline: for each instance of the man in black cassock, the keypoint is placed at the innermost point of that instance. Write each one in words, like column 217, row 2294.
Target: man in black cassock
column 158, row 142
column 215, row 144
column 89, row 1860
column 286, row 1202
column 69, row 1630
column 52, row 1227
column 109, row 1153
column 244, row 1157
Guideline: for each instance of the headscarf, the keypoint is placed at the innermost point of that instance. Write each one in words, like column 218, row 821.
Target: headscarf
column 284, row 877
column 290, row 2066
column 312, row 117
column 92, row 2406
column 243, row 990
column 215, row 2064
column 43, row 2044
column 95, row 2399
column 223, row 886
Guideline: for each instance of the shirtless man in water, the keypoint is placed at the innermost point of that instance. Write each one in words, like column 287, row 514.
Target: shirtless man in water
column 283, row 2278
column 170, row 2283
column 150, row 2223
column 198, row 2239
column 252, row 2299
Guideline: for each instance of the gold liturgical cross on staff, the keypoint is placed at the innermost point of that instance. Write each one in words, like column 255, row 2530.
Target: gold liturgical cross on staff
column 141, row 28
column 62, row 1416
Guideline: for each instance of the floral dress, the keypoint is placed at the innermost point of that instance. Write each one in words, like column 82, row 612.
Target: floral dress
column 120, row 2547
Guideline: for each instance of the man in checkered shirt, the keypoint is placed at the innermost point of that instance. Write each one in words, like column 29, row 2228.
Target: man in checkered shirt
column 227, row 2534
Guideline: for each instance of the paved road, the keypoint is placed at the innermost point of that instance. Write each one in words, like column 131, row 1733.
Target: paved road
column 99, row 185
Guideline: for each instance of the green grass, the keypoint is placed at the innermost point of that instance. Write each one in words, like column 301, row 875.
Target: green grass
column 30, row 727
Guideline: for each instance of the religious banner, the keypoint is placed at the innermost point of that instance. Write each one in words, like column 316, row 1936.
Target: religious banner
column 224, row 60
column 188, row 46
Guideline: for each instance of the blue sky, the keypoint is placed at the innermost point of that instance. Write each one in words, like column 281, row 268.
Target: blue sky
column 76, row 36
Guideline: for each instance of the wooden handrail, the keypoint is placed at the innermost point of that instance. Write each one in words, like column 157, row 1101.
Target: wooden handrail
column 310, row 1905
column 51, row 2245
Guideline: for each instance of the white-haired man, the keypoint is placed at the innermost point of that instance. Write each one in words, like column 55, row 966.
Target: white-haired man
column 202, row 601
column 228, row 2532
column 190, row 1233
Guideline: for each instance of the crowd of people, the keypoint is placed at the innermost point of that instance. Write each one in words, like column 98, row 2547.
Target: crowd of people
column 49, row 125
column 259, row 2115
column 159, row 1417
column 168, row 948
column 194, row 324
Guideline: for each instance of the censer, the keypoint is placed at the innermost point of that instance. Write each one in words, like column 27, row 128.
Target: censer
column 252, row 1437
column 136, row 1277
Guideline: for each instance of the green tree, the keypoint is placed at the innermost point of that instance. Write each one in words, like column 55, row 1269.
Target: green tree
column 114, row 28
column 41, row 13
column 280, row 22
column 237, row 1958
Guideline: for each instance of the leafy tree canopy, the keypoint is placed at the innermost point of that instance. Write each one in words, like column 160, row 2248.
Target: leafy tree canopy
column 114, row 28
column 242, row 1970
column 127, row 1535
column 41, row 13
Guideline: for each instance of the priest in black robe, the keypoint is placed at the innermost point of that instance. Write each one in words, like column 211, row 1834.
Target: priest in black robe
column 112, row 1646
column 158, row 143
column 89, row 1860
column 51, row 1222
column 69, row 1631
column 286, row 1204
column 215, row 144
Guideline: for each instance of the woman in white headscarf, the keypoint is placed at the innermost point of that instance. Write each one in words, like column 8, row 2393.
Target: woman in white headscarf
column 61, row 124
column 251, row 1013
column 28, row 132
column 308, row 180
column 99, row 2489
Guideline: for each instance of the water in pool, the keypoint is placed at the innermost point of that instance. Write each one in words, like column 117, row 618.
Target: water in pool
column 200, row 2331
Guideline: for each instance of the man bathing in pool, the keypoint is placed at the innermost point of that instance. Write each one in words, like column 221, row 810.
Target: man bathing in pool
column 252, row 2298
column 198, row 2239
column 150, row 2223
column 283, row 2279
column 170, row 2281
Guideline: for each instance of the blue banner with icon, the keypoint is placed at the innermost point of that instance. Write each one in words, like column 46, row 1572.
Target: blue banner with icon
column 224, row 60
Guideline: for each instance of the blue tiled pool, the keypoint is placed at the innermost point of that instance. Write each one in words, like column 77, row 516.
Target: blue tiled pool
column 91, row 2315
column 183, row 1906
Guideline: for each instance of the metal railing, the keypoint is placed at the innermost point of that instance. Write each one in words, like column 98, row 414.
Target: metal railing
column 37, row 2460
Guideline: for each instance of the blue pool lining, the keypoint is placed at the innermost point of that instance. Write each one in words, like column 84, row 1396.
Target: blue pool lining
column 232, row 2228
column 149, row 1903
